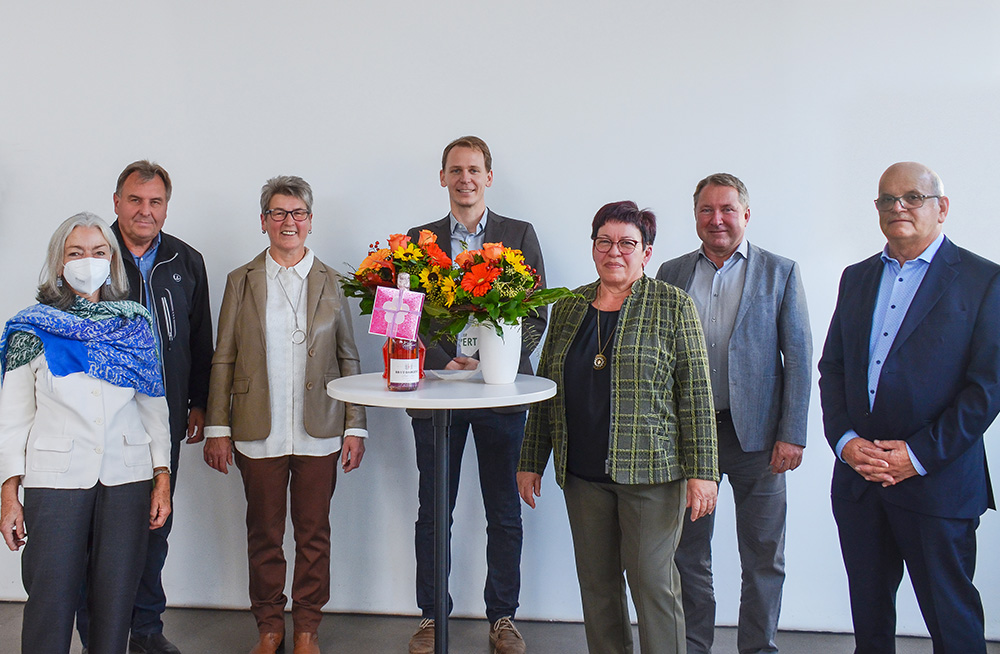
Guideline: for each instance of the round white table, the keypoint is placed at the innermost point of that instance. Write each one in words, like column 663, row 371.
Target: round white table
column 441, row 396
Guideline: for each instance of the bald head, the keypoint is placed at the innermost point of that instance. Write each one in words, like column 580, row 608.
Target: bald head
column 914, row 171
column 911, row 208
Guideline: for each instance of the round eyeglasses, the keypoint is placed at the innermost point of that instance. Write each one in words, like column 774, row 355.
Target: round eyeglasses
column 625, row 246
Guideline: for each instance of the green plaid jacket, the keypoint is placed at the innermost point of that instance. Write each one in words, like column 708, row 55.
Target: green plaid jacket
column 662, row 416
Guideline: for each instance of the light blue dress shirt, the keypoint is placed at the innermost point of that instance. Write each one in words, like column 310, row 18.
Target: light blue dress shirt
column 896, row 291
column 717, row 293
column 463, row 239
column 145, row 265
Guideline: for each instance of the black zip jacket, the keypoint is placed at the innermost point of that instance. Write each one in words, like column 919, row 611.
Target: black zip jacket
column 179, row 287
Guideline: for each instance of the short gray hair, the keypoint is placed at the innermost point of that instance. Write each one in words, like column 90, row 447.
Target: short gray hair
column 290, row 185
column 147, row 170
column 52, row 290
column 723, row 179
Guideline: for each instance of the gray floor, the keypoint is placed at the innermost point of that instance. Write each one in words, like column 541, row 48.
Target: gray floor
column 204, row 631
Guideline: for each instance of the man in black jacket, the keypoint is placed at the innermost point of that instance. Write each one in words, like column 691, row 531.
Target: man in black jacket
column 167, row 276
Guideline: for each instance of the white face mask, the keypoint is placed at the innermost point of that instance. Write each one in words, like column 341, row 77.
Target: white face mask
column 86, row 275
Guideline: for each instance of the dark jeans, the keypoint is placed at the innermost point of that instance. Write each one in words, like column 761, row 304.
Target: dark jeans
column 94, row 537
column 150, row 600
column 498, row 439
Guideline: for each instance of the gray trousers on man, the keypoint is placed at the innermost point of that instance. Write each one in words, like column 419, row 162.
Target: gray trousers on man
column 760, row 532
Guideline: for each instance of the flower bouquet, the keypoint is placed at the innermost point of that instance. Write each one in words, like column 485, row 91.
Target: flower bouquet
column 493, row 285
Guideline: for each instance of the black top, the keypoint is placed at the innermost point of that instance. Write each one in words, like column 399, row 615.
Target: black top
column 588, row 398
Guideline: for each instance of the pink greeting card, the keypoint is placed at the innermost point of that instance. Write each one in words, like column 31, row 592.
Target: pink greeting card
column 396, row 313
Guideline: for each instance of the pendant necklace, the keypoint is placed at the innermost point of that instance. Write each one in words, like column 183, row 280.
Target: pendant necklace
column 298, row 336
column 600, row 361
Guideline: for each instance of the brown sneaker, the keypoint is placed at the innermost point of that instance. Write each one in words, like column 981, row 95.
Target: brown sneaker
column 505, row 638
column 422, row 642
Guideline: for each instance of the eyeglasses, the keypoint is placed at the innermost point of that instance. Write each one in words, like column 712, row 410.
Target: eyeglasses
column 279, row 215
column 909, row 201
column 625, row 246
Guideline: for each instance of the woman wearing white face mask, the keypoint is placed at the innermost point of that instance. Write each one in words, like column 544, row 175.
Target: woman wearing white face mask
column 83, row 427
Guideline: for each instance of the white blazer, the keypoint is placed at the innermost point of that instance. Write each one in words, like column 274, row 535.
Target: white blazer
column 73, row 431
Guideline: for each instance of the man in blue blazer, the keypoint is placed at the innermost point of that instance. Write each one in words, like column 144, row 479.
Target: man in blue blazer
column 909, row 382
column 753, row 312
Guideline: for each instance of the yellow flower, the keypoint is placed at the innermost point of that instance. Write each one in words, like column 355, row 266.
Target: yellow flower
column 448, row 289
column 409, row 253
column 430, row 278
column 513, row 256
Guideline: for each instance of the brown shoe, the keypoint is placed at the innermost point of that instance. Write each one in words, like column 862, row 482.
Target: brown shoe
column 269, row 643
column 306, row 643
column 505, row 638
column 422, row 642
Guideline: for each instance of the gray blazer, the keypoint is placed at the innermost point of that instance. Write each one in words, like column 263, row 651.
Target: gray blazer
column 770, row 352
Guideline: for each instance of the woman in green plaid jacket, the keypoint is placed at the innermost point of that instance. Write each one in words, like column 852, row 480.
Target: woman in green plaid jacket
column 632, row 429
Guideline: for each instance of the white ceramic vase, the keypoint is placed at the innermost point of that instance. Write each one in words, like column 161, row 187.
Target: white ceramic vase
column 499, row 358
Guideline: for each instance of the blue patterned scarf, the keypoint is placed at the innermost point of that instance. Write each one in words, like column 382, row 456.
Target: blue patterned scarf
column 111, row 341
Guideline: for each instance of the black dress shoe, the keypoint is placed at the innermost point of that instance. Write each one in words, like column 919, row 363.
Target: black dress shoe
column 151, row 644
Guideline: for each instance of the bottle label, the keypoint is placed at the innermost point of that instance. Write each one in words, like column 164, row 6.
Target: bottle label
column 404, row 371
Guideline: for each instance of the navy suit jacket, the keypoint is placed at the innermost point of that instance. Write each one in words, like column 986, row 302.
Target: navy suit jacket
column 940, row 385
column 770, row 350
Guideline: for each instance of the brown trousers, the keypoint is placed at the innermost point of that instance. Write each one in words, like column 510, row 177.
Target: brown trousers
column 267, row 488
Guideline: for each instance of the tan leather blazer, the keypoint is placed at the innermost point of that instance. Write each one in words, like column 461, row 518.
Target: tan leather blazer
column 238, row 393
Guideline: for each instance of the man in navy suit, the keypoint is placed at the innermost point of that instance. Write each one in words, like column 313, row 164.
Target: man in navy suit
column 753, row 311
column 909, row 382
column 467, row 171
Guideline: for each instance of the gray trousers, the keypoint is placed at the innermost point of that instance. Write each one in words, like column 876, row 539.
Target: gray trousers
column 760, row 533
column 632, row 529
column 95, row 536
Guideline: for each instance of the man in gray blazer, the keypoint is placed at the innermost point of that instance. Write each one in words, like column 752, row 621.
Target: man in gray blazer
column 753, row 312
column 467, row 171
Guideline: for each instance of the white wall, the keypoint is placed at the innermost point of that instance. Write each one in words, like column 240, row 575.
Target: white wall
column 583, row 103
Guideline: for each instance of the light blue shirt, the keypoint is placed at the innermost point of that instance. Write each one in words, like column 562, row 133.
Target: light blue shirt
column 462, row 239
column 717, row 293
column 896, row 291
column 145, row 265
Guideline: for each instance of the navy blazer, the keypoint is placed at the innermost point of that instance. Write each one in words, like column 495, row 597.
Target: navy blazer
column 770, row 350
column 939, row 388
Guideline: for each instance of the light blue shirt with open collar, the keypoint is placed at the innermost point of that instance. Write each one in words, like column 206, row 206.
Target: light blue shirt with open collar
column 896, row 291
column 462, row 238
column 144, row 263
column 716, row 293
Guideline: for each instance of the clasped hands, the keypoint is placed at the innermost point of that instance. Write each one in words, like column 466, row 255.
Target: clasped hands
column 886, row 462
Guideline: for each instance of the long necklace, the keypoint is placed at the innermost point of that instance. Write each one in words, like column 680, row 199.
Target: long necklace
column 298, row 336
column 600, row 361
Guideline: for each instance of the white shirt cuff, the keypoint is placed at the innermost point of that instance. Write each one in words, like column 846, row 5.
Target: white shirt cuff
column 218, row 431
column 360, row 433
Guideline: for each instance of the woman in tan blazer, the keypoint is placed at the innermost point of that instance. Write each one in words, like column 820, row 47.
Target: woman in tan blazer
column 284, row 332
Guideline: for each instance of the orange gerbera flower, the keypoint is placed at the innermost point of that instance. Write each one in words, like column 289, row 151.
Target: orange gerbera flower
column 375, row 259
column 477, row 281
column 435, row 253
